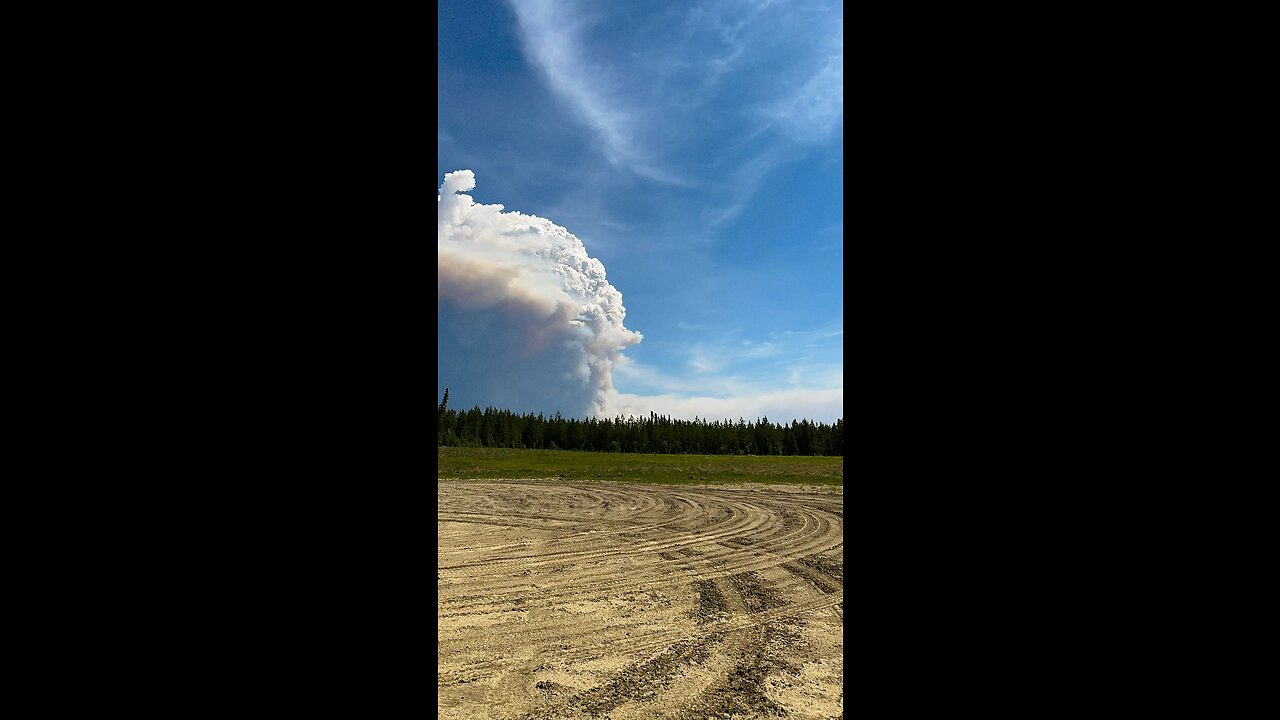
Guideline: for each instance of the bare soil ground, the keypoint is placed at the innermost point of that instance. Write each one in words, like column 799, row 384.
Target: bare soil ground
column 612, row 600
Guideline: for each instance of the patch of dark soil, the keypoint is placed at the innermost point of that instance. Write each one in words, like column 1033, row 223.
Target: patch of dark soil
column 816, row 579
column 791, row 520
column 688, row 552
column 667, row 556
column 828, row 566
column 741, row 694
column 550, row 689
column 641, row 682
column 837, row 510
column 711, row 602
column 755, row 595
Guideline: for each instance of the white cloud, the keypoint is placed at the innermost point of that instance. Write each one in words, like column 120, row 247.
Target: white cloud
column 794, row 375
column 539, row 326
column 780, row 406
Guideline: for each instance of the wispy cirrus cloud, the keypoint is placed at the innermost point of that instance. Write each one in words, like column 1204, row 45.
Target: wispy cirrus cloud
column 713, row 95
column 816, row 108
column 552, row 32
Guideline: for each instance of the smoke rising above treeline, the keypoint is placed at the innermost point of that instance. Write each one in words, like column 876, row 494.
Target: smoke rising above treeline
column 527, row 320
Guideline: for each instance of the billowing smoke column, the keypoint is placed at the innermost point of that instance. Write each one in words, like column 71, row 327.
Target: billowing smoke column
column 527, row 320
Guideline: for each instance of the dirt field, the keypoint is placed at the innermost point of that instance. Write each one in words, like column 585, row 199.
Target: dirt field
column 582, row 600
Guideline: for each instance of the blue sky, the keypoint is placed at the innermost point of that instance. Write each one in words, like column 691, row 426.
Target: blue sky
column 697, row 151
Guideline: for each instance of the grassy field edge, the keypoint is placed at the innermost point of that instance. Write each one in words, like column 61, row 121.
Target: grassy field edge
column 479, row 463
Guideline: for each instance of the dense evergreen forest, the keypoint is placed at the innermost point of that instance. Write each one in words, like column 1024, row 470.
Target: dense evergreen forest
column 655, row 434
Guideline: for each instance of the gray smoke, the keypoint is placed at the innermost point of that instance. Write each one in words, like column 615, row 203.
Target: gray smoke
column 527, row 321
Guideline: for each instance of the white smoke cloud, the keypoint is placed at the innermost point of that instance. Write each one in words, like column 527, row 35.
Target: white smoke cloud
column 816, row 404
column 528, row 321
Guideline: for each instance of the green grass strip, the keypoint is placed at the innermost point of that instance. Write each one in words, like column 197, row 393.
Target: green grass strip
column 458, row 462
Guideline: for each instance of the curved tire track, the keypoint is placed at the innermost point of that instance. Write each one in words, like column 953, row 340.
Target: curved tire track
column 560, row 599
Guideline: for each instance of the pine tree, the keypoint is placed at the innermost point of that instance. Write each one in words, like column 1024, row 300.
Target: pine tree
column 440, row 417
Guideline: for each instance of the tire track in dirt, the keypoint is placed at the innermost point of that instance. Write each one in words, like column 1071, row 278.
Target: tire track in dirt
column 530, row 596
column 498, row 591
column 577, row 600
column 492, row 662
column 778, row 539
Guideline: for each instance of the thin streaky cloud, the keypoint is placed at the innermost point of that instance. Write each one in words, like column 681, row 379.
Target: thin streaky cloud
column 549, row 31
column 816, row 109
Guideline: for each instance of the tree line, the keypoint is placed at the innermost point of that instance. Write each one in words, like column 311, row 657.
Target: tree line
column 492, row 427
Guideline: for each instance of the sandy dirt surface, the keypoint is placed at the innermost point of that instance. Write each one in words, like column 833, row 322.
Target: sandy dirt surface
column 609, row 600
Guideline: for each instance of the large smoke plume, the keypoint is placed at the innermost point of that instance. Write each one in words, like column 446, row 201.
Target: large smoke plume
column 527, row 321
